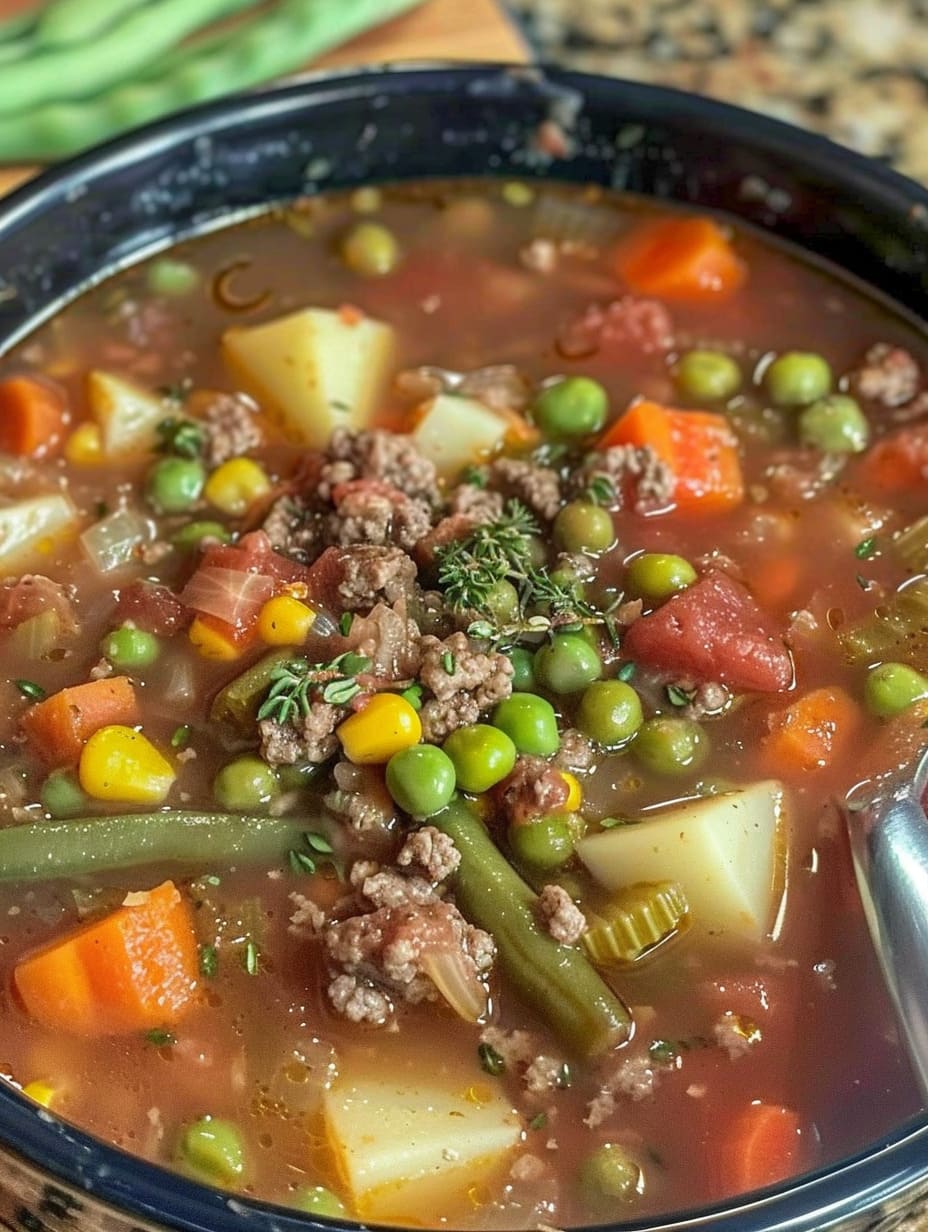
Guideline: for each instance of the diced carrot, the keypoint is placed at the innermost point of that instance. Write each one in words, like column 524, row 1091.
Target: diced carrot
column 762, row 1146
column 812, row 732
column 33, row 415
column 680, row 258
column 61, row 725
column 698, row 446
column 132, row 970
column 774, row 579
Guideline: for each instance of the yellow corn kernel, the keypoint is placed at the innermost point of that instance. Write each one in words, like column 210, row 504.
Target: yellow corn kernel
column 42, row 1092
column 574, row 792
column 84, row 447
column 285, row 621
column 211, row 643
column 386, row 724
column 119, row 763
column 236, row 485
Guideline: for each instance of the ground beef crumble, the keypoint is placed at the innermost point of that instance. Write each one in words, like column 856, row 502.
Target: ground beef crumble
column 432, row 851
column 889, row 376
column 640, row 479
column 634, row 1078
column 360, row 797
column 228, row 420
column 362, row 574
column 533, row 789
column 561, row 916
column 381, row 455
column 537, row 487
column 476, row 681
column 313, row 741
column 378, row 515
column 576, row 751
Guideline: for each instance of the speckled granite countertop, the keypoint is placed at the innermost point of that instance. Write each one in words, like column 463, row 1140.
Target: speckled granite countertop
column 854, row 69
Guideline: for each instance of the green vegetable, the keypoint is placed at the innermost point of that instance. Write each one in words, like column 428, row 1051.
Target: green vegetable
column 892, row 688
column 671, row 746
column 658, row 575
column 51, row 849
column 213, row 1150
column 267, row 46
column 190, row 537
column 170, row 277
column 640, row 918
column 370, row 249
column 238, row 702
column 245, row 783
column 911, row 546
column 797, row 378
column 610, row 712
column 61, row 795
column 35, row 638
column 482, row 756
column 128, row 648
column 30, row 690
column 502, row 603
column 707, row 376
column 897, row 629
column 584, row 527
column 835, row 424
column 567, row 663
column 421, row 779
column 317, row 1200
column 523, row 669
column 609, row 1174
column 543, row 842
column 72, row 21
column 174, row 485
column 572, row 406
column 530, row 723
column 557, row 981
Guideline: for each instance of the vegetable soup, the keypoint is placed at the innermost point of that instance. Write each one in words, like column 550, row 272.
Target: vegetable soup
column 438, row 626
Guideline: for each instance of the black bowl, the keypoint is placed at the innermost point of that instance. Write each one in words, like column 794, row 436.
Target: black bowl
column 192, row 173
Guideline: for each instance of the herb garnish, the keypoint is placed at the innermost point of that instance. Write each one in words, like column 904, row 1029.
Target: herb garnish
column 251, row 957
column 678, row 696
column 307, row 861
column 538, row 1121
column 209, row 961
column 862, row 582
column 491, row 1061
column 160, row 1038
column 294, row 681
column 564, row 1077
column 626, row 671
column 180, row 737
column 34, row 692
column 413, row 695
column 866, row 548
column 179, row 436
column 600, row 490
column 448, row 663
column 345, row 622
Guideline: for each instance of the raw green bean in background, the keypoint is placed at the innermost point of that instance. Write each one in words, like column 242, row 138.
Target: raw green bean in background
column 48, row 849
column 16, row 27
column 557, row 980
column 76, row 21
column 282, row 40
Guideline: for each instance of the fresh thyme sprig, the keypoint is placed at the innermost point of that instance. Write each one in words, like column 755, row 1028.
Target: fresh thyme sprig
column 294, row 682
column 469, row 568
column 182, row 437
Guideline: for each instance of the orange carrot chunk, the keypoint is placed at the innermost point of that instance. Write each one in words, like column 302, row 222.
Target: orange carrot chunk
column 898, row 461
column 132, row 970
column 698, row 446
column 811, row 733
column 681, row 259
column 33, row 415
column 60, row 726
column 762, row 1146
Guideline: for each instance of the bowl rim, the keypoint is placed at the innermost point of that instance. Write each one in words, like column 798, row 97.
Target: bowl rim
column 891, row 1169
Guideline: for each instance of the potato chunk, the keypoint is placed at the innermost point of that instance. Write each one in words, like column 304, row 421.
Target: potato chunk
column 315, row 370
column 28, row 528
column 725, row 851
column 127, row 414
column 455, row 432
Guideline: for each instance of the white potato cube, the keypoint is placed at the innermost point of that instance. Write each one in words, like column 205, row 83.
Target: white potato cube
column 30, row 528
column 455, row 432
column 127, row 415
column 315, row 370
column 725, row 851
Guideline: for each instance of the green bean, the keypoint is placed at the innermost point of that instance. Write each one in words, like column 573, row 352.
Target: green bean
column 15, row 27
column 237, row 703
column 44, row 850
column 276, row 43
column 557, row 980
column 76, row 21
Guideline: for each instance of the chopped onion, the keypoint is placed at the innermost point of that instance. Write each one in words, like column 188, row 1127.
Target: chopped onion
column 180, row 687
column 568, row 221
column 37, row 637
column 234, row 595
column 453, row 975
column 113, row 542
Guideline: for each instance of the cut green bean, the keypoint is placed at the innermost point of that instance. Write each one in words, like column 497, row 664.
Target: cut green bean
column 45, row 850
column 280, row 41
column 557, row 980
column 76, row 21
column 238, row 702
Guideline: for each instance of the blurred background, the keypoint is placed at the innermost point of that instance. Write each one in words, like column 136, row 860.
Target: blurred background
column 73, row 72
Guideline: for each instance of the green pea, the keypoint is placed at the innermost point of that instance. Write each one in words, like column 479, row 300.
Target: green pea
column 61, row 795
column 892, row 688
column 245, row 783
column 797, row 378
column 609, row 1172
column 543, row 842
column 609, row 712
column 482, row 756
column 707, row 376
column 174, row 485
column 129, row 648
column 299, row 775
column 421, row 779
column 502, row 603
column 584, row 527
column 671, row 746
column 658, row 575
column 213, row 1150
column 567, row 663
column 170, row 277
column 370, row 249
column 530, row 723
column 572, row 406
column 523, row 669
column 317, row 1200
column 189, row 537
column 835, row 424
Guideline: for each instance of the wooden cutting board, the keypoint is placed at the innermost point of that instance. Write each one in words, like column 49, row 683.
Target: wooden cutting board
column 438, row 29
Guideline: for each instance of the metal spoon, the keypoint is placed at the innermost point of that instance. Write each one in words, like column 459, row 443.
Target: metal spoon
column 889, row 842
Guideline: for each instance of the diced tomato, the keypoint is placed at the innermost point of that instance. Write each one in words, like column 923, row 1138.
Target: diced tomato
column 713, row 631
column 154, row 608
column 898, row 461
column 254, row 554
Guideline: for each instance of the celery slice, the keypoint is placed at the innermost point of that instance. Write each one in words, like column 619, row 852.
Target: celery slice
column 911, row 546
column 641, row 917
column 897, row 630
